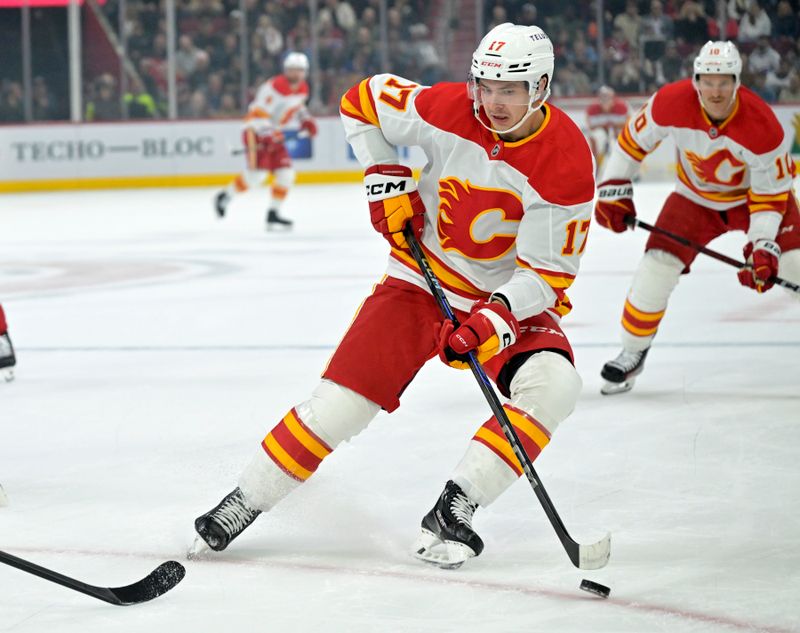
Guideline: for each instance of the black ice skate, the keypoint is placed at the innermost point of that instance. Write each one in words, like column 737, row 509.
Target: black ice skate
column 275, row 221
column 620, row 373
column 7, row 358
column 447, row 538
column 218, row 527
column 221, row 203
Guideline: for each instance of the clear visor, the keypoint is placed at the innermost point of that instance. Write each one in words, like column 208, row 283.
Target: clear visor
column 488, row 92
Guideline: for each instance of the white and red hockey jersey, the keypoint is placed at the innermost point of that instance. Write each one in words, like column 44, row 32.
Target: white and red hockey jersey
column 278, row 106
column 611, row 120
column 720, row 165
column 507, row 217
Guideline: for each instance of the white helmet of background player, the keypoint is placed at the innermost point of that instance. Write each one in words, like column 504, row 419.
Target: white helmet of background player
column 297, row 61
column 512, row 52
column 718, row 58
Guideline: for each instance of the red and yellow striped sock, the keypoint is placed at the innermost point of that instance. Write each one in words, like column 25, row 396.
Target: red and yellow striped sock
column 532, row 434
column 295, row 448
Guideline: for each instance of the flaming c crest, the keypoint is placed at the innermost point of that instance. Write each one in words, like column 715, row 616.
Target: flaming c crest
column 477, row 222
column 720, row 168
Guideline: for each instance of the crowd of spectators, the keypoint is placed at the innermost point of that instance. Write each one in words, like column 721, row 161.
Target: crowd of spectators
column 646, row 43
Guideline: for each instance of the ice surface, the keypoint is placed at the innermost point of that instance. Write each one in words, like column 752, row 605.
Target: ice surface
column 157, row 345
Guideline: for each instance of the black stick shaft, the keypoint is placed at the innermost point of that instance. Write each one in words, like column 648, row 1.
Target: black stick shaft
column 705, row 251
column 101, row 593
column 570, row 545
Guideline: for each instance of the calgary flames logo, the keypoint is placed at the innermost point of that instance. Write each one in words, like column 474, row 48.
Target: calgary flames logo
column 720, row 168
column 487, row 219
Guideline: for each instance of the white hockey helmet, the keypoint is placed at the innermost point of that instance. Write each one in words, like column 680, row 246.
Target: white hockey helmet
column 718, row 58
column 296, row 60
column 513, row 52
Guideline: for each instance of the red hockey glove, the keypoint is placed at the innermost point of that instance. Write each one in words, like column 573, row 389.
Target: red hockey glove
column 309, row 126
column 394, row 201
column 762, row 265
column 614, row 204
column 489, row 329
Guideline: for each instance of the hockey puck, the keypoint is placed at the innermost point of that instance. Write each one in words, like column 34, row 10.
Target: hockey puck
column 596, row 588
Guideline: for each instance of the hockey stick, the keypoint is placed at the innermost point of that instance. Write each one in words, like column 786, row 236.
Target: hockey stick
column 592, row 556
column 159, row 581
column 633, row 222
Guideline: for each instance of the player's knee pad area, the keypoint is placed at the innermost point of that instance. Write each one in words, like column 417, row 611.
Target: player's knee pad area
column 547, row 387
column 336, row 413
column 655, row 279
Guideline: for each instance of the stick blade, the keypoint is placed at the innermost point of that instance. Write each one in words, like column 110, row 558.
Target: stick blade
column 156, row 583
column 595, row 556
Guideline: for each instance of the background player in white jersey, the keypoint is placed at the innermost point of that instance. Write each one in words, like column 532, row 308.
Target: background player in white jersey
column 7, row 358
column 734, row 174
column 502, row 211
column 279, row 105
column 605, row 119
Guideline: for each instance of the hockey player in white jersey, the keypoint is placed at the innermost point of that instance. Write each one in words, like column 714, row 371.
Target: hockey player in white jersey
column 502, row 210
column 279, row 105
column 7, row 357
column 734, row 174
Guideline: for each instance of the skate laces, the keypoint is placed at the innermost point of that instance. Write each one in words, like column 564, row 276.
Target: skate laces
column 5, row 345
column 234, row 515
column 462, row 510
column 628, row 360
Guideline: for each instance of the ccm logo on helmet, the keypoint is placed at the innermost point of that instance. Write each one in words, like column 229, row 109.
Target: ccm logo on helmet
column 380, row 188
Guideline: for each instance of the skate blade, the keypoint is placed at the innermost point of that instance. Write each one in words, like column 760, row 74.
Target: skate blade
column 278, row 228
column 198, row 550
column 7, row 374
column 613, row 388
column 430, row 549
column 3, row 498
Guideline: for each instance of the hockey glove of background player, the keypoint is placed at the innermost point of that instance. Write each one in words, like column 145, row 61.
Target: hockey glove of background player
column 393, row 201
column 489, row 329
column 614, row 204
column 308, row 127
column 762, row 264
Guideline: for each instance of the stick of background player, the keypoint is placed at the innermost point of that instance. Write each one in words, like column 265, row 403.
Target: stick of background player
column 7, row 357
column 508, row 177
column 721, row 257
column 734, row 174
column 279, row 105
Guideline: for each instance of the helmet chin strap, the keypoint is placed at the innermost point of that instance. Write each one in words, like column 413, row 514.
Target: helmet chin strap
column 476, row 109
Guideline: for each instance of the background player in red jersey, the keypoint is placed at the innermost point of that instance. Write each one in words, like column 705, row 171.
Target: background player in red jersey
column 734, row 174
column 7, row 358
column 502, row 210
column 279, row 105
column 605, row 119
